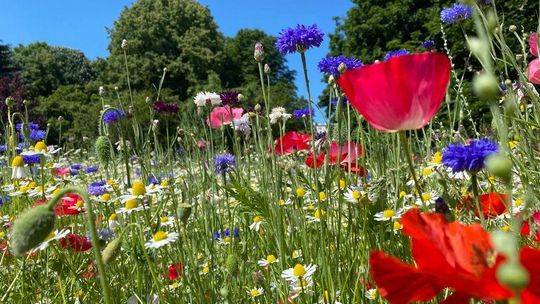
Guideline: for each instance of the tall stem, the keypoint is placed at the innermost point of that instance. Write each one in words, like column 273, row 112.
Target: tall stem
column 408, row 156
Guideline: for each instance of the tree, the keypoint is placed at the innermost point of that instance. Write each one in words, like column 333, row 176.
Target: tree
column 180, row 35
column 44, row 68
column 6, row 60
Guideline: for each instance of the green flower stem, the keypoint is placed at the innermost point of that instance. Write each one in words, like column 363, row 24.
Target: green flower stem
column 404, row 142
column 474, row 182
column 93, row 236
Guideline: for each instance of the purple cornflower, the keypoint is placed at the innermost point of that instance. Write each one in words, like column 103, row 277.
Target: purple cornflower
column 112, row 116
column 396, row 53
column 31, row 125
column 469, row 157
column 299, row 39
column 224, row 163
column 457, row 12
column 96, row 189
column 229, row 97
column 92, row 169
column 302, row 113
column 76, row 167
column 3, row 148
column 153, row 180
column 428, row 44
column 165, row 107
column 31, row 159
column 37, row 135
column 330, row 65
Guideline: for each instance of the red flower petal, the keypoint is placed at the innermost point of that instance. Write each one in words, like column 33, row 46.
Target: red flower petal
column 292, row 142
column 533, row 71
column 403, row 93
column 533, row 44
column 75, row 242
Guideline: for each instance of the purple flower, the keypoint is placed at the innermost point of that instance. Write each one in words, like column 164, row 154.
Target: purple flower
column 96, row 190
column 37, row 135
column 92, row 169
column 428, row 44
column 31, row 159
column 299, row 39
column 224, row 163
column 330, row 65
column 165, row 107
column 302, row 113
column 76, row 167
column 31, row 125
column 229, row 97
column 469, row 157
column 396, row 53
column 457, row 12
column 112, row 116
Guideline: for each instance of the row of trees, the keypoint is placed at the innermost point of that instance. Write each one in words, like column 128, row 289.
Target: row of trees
column 180, row 35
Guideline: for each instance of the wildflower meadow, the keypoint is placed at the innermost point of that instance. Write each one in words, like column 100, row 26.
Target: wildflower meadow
column 412, row 178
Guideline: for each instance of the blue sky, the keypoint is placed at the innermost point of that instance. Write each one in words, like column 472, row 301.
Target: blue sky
column 81, row 24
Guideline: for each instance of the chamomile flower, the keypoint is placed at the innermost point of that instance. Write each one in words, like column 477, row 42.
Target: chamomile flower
column 161, row 238
column 138, row 191
column 299, row 271
column 255, row 292
column 165, row 221
column 354, row 195
column 113, row 222
column 18, row 170
column 286, row 202
column 296, row 254
column 270, row 259
column 302, row 284
column 205, row 268
column 428, row 198
column 40, row 148
column 257, row 222
column 317, row 215
column 372, row 294
column 130, row 206
column 388, row 214
column 53, row 236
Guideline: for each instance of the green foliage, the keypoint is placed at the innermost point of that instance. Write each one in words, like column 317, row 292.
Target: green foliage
column 44, row 68
column 6, row 60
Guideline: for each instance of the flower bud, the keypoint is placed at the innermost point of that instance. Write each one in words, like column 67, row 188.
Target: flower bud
column 342, row 67
column 31, row 228
column 258, row 108
column 499, row 166
column 241, row 97
column 258, row 54
column 103, row 150
column 232, row 264
column 9, row 101
column 124, row 44
column 26, row 102
column 486, row 86
column 513, row 275
column 101, row 91
column 267, row 69
column 183, row 212
column 112, row 251
column 147, row 100
column 512, row 28
column 331, row 80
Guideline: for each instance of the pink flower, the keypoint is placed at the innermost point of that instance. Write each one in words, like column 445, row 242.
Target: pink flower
column 533, row 71
column 403, row 93
column 533, row 44
column 223, row 116
column 61, row 171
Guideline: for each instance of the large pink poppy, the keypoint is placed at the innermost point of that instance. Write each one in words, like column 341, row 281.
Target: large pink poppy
column 223, row 116
column 533, row 71
column 403, row 93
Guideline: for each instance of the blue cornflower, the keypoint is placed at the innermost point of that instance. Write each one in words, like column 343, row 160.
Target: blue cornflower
column 301, row 113
column 343, row 101
column 74, row 172
column 92, row 169
column 3, row 148
column 428, row 44
column 457, row 12
column 180, row 151
column 224, row 163
column 299, row 39
column 216, row 236
column 103, row 234
column 96, row 189
column 37, row 135
column 330, row 65
column 76, row 167
column 112, row 116
column 153, row 180
column 396, row 53
column 31, row 159
column 31, row 125
column 469, row 157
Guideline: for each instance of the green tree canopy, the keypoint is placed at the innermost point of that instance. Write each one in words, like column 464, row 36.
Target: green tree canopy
column 44, row 68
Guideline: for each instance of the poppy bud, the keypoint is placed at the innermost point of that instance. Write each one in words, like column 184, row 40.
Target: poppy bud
column 112, row 251
column 513, row 275
column 486, row 86
column 183, row 212
column 103, row 150
column 499, row 166
column 232, row 264
column 267, row 69
column 9, row 101
column 342, row 68
column 512, row 28
column 31, row 228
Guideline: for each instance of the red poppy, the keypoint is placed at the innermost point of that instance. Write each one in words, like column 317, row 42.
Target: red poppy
column 403, row 93
column 91, row 271
column 65, row 206
column 533, row 71
column 346, row 156
column 526, row 227
column 292, row 142
column 493, row 204
column 447, row 255
column 76, row 242
column 223, row 116
column 533, row 44
column 176, row 271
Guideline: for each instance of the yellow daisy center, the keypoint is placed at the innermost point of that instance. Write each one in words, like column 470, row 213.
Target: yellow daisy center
column 24, row 189
column 426, row 196
column 281, row 202
column 112, row 217
column 164, row 219
column 271, row 258
column 322, row 196
column 257, row 219
column 164, row 183
column 55, row 192
column 389, row 213
column 402, row 194
column 299, row 270
column 17, row 161
column 205, row 269
column 397, row 225
column 319, row 213
column 255, row 292
column 426, row 171
column 138, row 188
column 437, row 158
column 40, row 146
column 132, row 203
column 356, row 194
column 342, row 183
column 160, row 236
column 518, row 202
column 79, row 204
column 32, row 185
column 105, row 197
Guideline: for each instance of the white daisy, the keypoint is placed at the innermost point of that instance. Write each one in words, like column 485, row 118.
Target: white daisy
column 371, row 294
column 428, row 198
column 270, row 259
column 257, row 222
column 299, row 271
column 161, row 238
column 130, row 206
column 388, row 214
column 53, row 236
column 166, row 221
column 354, row 195
column 207, row 98
column 279, row 114
column 255, row 292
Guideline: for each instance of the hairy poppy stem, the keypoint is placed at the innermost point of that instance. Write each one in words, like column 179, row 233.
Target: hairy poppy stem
column 403, row 138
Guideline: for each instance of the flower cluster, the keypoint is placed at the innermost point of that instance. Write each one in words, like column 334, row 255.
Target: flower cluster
column 299, row 39
column 331, row 65
column 469, row 157
column 457, row 12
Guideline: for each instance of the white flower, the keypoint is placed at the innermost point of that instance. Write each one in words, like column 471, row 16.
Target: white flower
column 257, row 222
column 130, row 206
column 242, row 125
column 299, row 271
column 271, row 259
column 371, row 294
column 354, row 195
column 255, row 292
column 207, row 98
column 428, row 198
column 388, row 214
column 53, row 236
column 161, row 238
column 166, row 221
column 279, row 113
